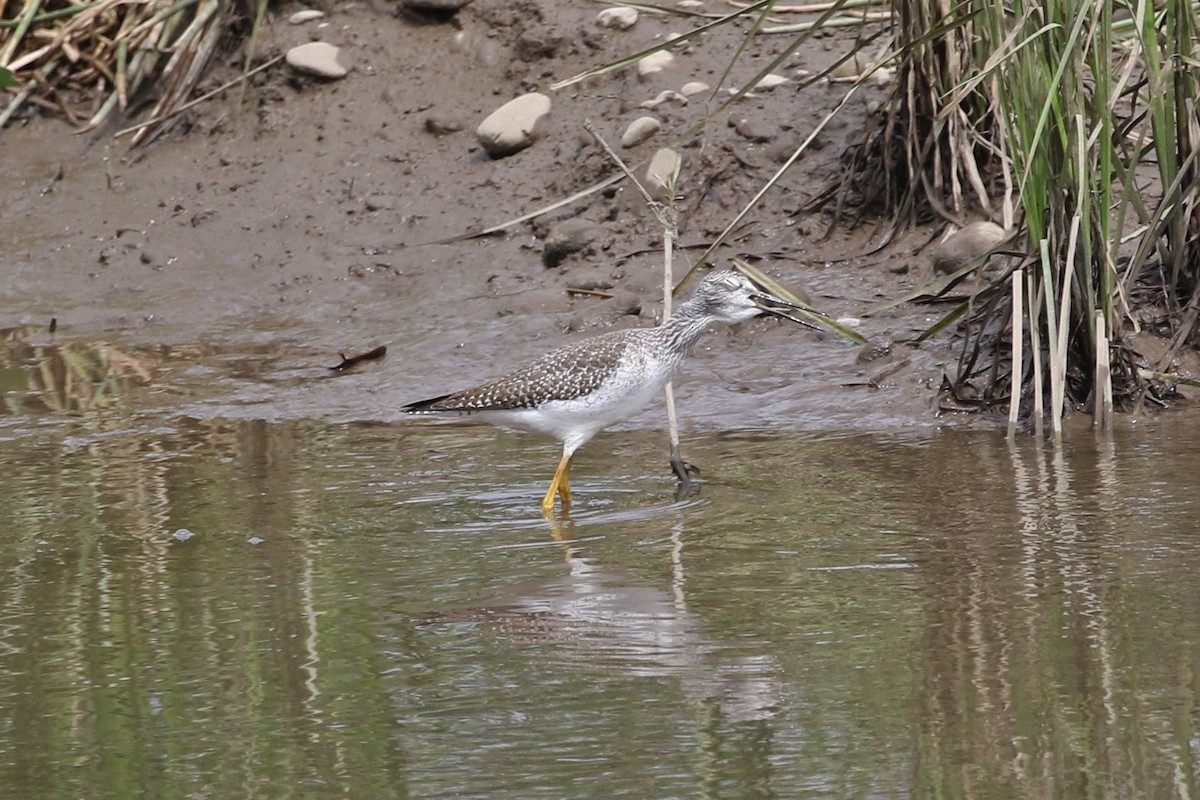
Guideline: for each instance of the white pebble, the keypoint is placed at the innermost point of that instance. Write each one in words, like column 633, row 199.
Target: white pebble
column 964, row 246
column 662, row 172
column 666, row 95
column 850, row 69
column 620, row 18
column 512, row 127
column 318, row 58
column 300, row 17
column 693, row 88
column 654, row 63
column 639, row 131
column 770, row 81
column 849, row 322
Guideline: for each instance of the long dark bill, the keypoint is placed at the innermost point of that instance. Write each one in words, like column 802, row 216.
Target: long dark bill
column 769, row 304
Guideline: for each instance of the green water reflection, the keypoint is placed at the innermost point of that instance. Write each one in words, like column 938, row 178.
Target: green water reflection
column 378, row 611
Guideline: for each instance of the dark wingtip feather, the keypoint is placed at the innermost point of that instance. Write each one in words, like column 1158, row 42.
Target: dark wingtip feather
column 424, row 405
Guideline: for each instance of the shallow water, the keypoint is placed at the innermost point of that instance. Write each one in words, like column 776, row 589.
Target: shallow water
column 379, row 610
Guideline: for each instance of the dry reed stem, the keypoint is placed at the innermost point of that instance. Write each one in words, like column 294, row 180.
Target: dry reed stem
column 668, row 219
column 97, row 55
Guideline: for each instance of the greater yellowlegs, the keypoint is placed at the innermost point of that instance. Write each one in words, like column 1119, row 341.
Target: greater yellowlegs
column 575, row 391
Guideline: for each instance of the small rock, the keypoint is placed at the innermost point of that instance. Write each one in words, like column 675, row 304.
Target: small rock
column 620, row 18
column 537, row 43
column 625, row 303
column 873, row 352
column 255, row 540
column 639, row 131
column 182, row 535
column 654, row 63
column 320, row 59
column 512, row 127
column 440, row 125
column 664, row 96
column 596, row 279
column 747, row 129
column 662, row 172
column 566, row 238
column 300, row 17
column 378, row 202
column 769, row 82
column 962, row 247
column 435, row 6
column 692, row 88
column 849, row 69
column 782, row 148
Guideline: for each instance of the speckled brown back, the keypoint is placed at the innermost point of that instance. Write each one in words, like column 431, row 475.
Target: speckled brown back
column 564, row 374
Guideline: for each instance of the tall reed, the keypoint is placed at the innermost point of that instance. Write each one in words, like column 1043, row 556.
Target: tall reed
column 1063, row 107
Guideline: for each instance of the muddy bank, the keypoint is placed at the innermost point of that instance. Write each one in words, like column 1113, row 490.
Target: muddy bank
column 294, row 225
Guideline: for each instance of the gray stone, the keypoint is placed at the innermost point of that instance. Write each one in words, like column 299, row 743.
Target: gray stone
column 300, row 17
column 639, row 131
column 662, row 172
column 378, row 202
column 962, row 247
column 665, row 96
column 769, row 82
column 850, row 69
column 513, row 127
column 654, row 63
column 625, row 303
column 441, row 124
column 620, row 18
column 320, row 59
column 748, row 129
column 566, row 238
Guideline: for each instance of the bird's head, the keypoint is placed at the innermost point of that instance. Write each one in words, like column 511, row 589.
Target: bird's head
column 728, row 296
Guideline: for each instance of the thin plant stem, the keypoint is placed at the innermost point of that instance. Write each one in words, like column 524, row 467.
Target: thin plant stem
column 667, row 217
column 1018, row 355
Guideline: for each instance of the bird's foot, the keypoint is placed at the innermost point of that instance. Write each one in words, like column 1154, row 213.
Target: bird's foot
column 687, row 474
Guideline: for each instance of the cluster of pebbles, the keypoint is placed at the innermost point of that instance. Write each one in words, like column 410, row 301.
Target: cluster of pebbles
column 514, row 125
column 324, row 60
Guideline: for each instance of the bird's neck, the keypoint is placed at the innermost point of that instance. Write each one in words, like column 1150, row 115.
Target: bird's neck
column 685, row 325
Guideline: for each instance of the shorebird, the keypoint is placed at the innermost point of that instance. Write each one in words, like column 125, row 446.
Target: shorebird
column 575, row 391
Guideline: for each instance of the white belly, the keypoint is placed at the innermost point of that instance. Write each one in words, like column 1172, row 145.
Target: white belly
column 575, row 421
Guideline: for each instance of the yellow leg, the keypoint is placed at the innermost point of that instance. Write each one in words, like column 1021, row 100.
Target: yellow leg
column 560, row 486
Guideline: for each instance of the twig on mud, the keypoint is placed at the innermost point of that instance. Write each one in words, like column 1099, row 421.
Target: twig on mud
column 370, row 355
column 1167, row 378
column 616, row 177
column 668, row 218
column 589, row 292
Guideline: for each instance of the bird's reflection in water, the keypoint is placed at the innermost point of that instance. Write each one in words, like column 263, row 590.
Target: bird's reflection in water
column 597, row 615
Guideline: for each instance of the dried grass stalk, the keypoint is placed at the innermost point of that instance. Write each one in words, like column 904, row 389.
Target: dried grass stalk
column 99, row 54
